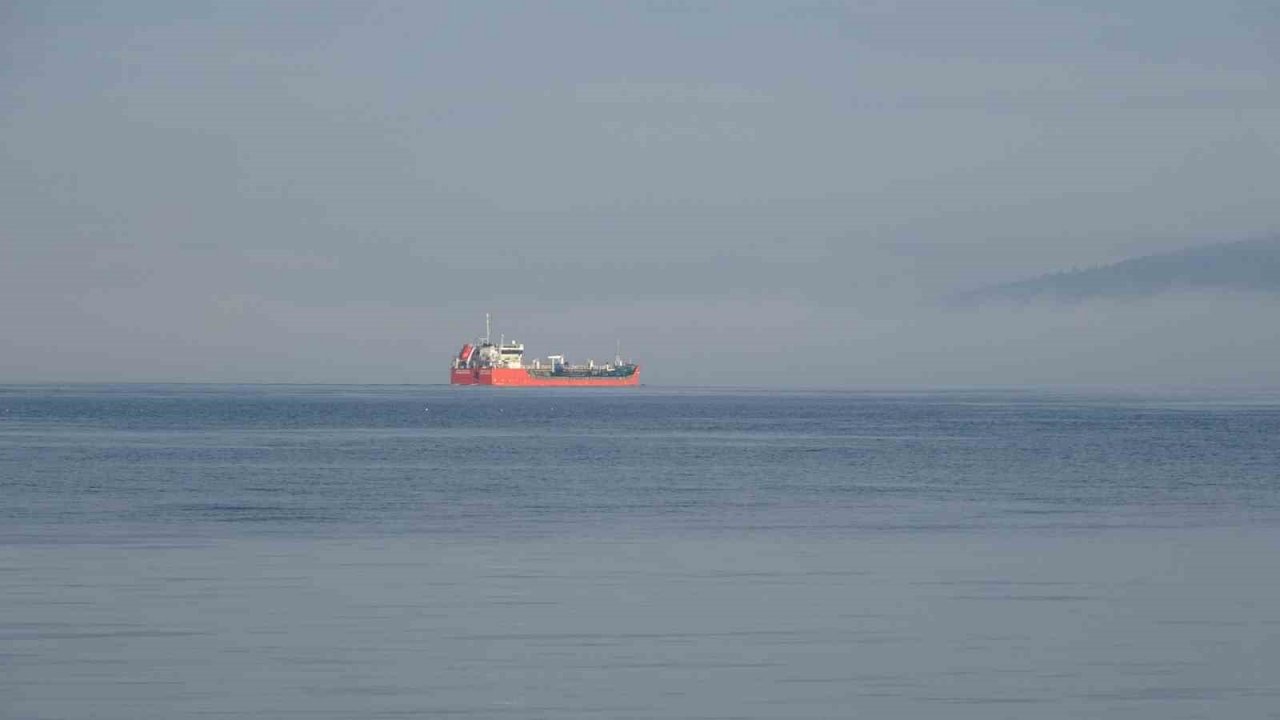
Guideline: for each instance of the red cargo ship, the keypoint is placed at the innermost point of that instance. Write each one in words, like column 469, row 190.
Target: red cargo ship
column 484, row 363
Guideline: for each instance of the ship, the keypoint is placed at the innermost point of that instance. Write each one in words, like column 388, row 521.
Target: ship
column 483, row 362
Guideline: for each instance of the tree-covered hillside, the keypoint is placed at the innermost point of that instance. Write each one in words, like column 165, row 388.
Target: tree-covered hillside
column 1248, row 266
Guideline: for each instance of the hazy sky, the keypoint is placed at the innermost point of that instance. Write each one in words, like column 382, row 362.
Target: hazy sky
column 743, row 193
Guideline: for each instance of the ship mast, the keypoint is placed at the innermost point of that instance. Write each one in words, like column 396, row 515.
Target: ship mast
column 486, row 328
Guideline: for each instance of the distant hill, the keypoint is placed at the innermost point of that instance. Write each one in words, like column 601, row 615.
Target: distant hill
column 1250, row 265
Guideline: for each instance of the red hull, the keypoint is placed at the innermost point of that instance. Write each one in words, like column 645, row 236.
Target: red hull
column 522, row 377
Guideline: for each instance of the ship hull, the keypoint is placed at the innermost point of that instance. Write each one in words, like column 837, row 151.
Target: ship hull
column 523, row 378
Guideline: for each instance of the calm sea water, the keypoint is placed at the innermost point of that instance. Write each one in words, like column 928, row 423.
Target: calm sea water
column 278, row 551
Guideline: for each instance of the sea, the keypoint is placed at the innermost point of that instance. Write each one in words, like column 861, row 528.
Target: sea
column 280, row 551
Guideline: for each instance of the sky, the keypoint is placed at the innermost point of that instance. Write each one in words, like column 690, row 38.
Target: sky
column 760, row 194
